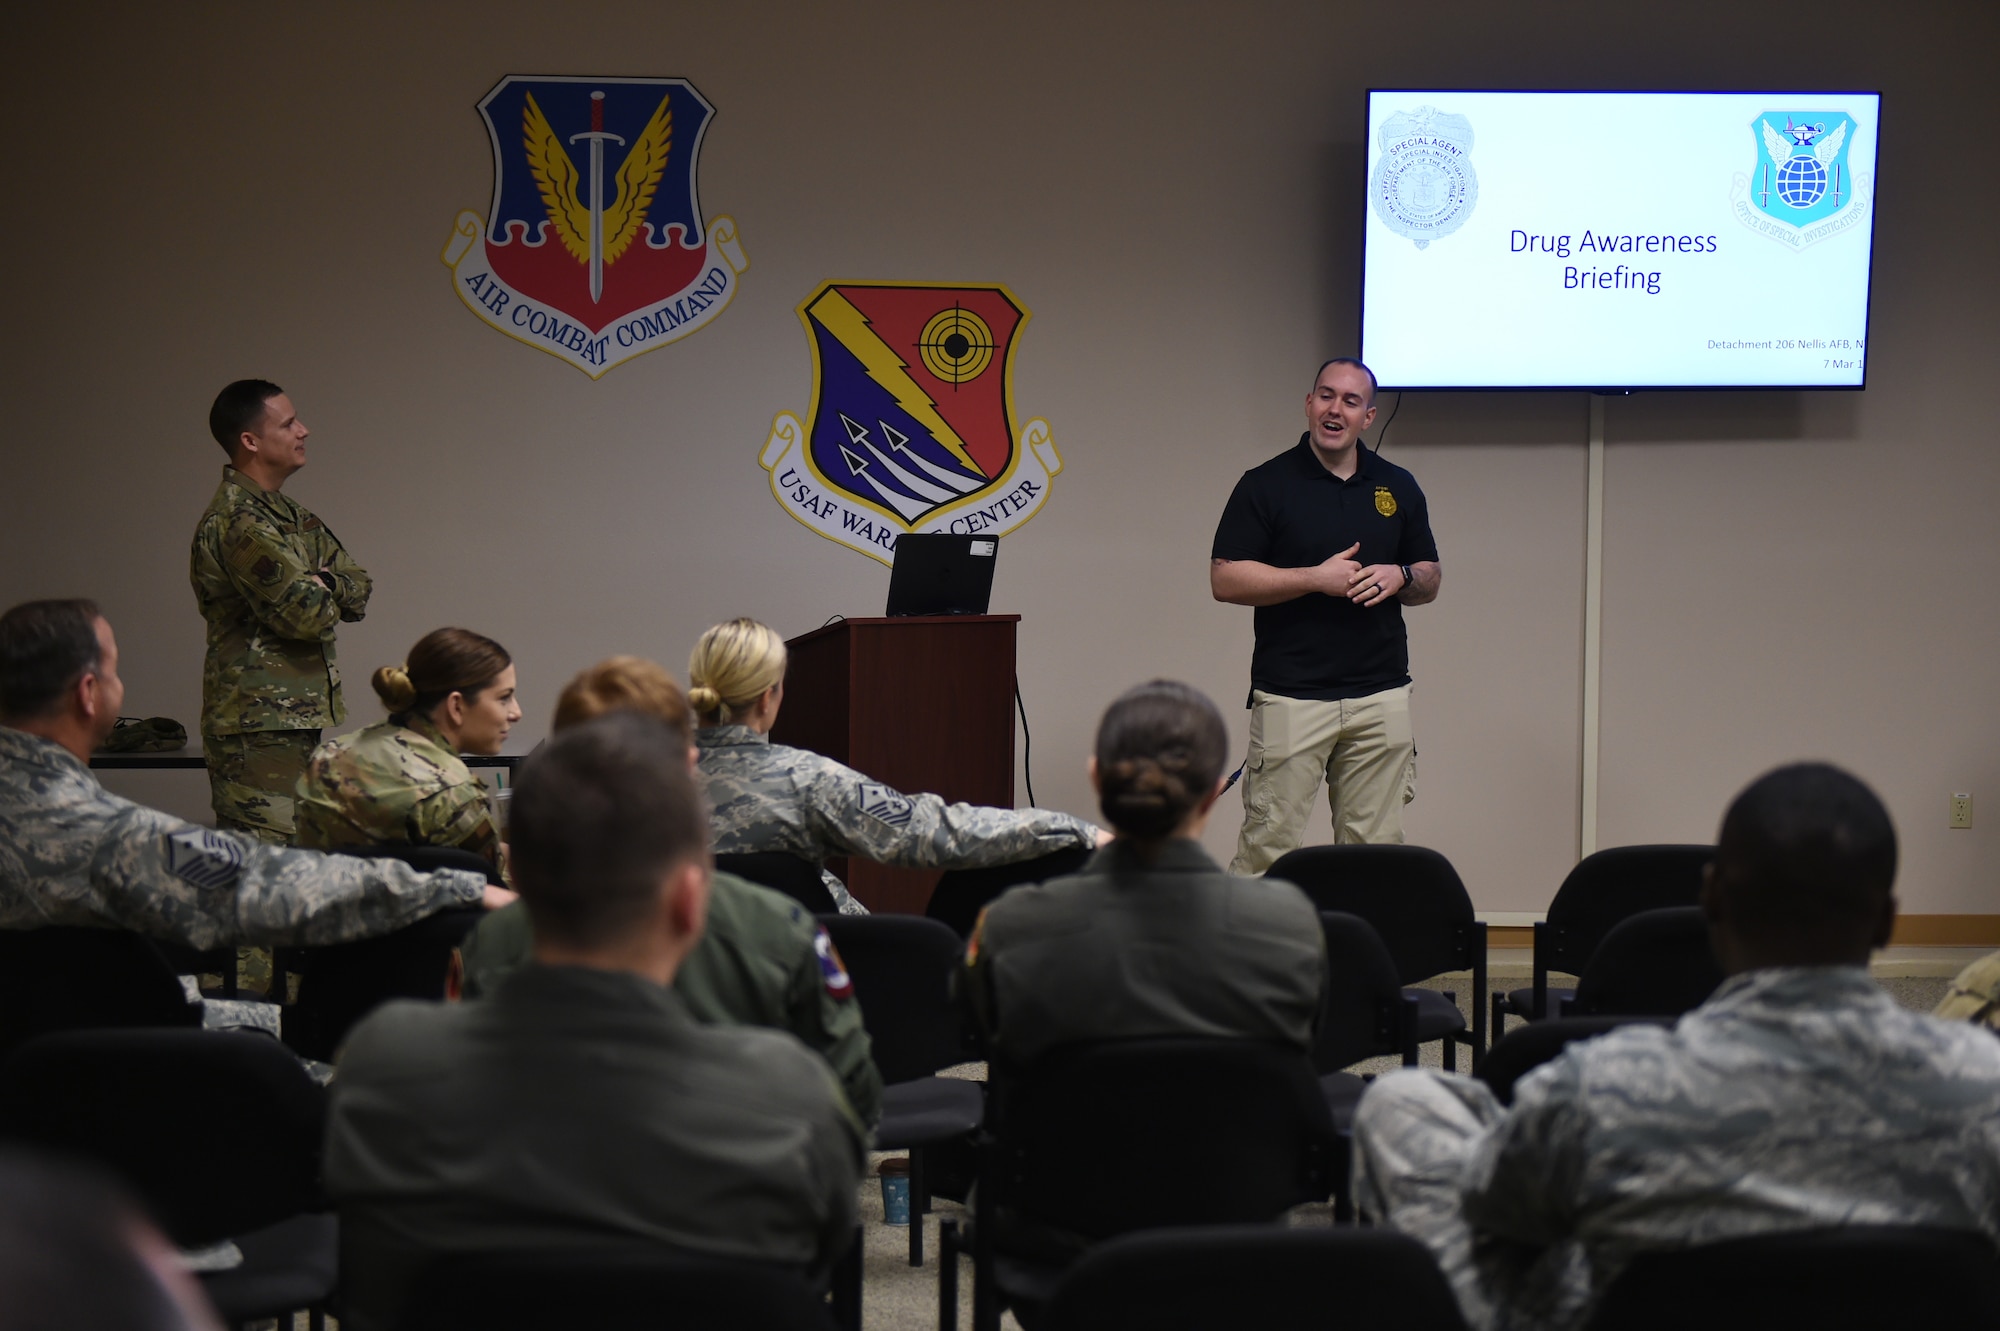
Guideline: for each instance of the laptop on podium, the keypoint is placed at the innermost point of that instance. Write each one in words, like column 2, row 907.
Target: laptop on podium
column 937, row 573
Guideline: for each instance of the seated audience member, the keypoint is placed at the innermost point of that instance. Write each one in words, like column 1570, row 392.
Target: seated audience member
column 1975, row 994
column 72, row 853
column 580, row 1104
column 76, row 1252
column 401, row 782
column 762, row 959
column 764, row 796
column 1152, row 938
column 1799, row 1096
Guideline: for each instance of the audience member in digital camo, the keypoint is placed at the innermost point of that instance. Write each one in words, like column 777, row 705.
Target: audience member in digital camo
column 401, row 781
column 762, row 959
column 1975, row 994
column 1329, row 543
column 273, row 583
column 72, row 853
column 764, row 796
column 1799, row 1096
column 1151, row 938
column 581, row 1103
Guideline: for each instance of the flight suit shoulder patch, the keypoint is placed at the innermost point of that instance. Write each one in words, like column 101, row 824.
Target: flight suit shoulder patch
column 833, row 972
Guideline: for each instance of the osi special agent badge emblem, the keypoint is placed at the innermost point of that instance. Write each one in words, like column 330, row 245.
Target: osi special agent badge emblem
column 1801, row 190
column 912, row 418
column 595, row 250
column 1424, row 185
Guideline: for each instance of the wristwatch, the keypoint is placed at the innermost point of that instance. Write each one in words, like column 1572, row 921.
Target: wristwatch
column 1407, row 579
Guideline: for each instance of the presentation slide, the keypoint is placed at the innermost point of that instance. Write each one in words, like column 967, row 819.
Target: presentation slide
column 1618, row 240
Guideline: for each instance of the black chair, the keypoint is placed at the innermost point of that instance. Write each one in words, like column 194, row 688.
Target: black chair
column 901, row 967
column 796, row 878
column 1364, row 1013
column 1255, row 1276
column 1417, row 903
column 1105, row 1138
column 1853, row 1278
column 67, row 979
column 615, row 1290
column 1601, row 890
column 343, row 982
column 1526, row 1048
column 144, row 1104
column 962, row 893
column 1658, row 963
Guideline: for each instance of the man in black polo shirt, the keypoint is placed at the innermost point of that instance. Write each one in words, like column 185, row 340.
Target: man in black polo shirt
column 1329, row 543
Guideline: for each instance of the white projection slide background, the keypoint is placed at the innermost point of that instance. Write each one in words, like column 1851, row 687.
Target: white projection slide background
column 1489, row 306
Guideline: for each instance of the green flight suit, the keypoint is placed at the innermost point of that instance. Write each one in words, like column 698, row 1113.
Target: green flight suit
column 762, row 961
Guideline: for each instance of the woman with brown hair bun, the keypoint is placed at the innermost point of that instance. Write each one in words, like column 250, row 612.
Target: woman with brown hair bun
column 401, row 782
column 1152, row 938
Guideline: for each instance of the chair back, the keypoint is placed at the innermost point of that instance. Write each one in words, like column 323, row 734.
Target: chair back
column 1107, row 1137
column 1260, row 1276
column 962, row 893
column 1612, row 885
column 610, row 1290
column 1411, row 894
column 1657, row 963
column 428, row 859
column 1363, row 1012
column 344, row 982
column 66, row 979
column 1525, row 1048
column 217, row 1131
column 1854, row 1278
column 901, row 967
column 781, row 872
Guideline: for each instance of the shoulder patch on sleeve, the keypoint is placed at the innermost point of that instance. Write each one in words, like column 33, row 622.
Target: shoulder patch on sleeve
column 204, row 858
column 838, row 983
column 883, row 804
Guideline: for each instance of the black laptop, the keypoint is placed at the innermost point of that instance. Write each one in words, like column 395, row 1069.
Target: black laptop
column 937, row 573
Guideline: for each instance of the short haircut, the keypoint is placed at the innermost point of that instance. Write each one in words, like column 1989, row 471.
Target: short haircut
column 1348, row 360
column 237, row 408
column 731, row 667
column 45, row 648
column 629, row 682
column 600, row 815
column 1160, row 750
column 444, row 662
column 1807, row 853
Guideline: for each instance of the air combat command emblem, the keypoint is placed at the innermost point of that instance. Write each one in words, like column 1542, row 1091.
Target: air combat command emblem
column 1424, row 186
column 595, row 250
column 912, row 418
column 1801, row 189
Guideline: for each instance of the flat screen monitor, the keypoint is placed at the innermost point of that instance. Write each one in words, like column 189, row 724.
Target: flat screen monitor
column 1618, row 240
column 938, row 573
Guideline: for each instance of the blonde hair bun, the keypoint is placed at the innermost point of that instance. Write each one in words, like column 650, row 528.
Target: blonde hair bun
column 704, row 700
column 392, row 685
column 732, row 666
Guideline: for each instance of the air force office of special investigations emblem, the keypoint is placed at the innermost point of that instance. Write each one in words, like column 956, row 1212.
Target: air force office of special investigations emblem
column 912, row 418
column 1424, row 185
column 1802, row 189
column 595, row 250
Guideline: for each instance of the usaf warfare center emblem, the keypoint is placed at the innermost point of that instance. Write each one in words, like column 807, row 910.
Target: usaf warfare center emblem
column 1802, row 189
column 1424, row 185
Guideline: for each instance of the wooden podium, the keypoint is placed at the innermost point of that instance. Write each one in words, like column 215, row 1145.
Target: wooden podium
column 919, row 703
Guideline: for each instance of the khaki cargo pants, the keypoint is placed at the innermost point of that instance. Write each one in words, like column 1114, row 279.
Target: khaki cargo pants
column 1361, row 748
column 252, row 778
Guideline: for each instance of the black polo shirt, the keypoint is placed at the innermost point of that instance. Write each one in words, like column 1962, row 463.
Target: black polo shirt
column 1293, row 513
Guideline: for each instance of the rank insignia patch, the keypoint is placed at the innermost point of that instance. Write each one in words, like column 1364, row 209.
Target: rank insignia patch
column 883, row 804
column 912, row 418
column 1385, row 503
column 204, row 858
column 595, row 250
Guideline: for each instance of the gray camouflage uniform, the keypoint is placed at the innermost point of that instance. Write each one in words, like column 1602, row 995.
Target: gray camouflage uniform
column 764, row 796
column 1794, row 1098
column 72, row 853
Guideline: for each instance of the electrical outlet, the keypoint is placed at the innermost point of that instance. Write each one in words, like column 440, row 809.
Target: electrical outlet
column 1961, row 811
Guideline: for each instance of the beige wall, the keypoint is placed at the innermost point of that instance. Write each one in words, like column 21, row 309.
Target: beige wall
column 1175, row 192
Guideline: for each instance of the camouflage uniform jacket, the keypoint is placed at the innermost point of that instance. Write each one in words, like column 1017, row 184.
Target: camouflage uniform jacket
column 765, row 796
column 1975, row 994
column 391, row 784
column 270, row 662
column 72, row 853
column 1794, row 1098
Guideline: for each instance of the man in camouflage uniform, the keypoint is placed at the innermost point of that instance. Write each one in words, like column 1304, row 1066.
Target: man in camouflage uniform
column 72, row 853
column 1799, row 1096
column 1975, row 994
column 769, row 797
column 273, row 582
